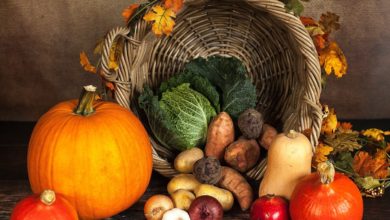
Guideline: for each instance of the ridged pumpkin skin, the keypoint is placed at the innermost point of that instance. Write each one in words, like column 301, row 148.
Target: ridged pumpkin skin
column 101, row 163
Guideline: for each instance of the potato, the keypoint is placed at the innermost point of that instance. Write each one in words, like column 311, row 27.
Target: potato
column 182, row 199
column 184, row 162
column 182, row 181
column 223, row 196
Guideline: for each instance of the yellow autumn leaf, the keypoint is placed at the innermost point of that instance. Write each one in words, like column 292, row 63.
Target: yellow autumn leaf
column 332, row 59
column 329, row 124
column 321, row 153
column 162, row 19
column 375, row 134
column 84, row 61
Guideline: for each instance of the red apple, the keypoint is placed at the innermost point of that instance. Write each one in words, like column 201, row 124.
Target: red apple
column 270, row 207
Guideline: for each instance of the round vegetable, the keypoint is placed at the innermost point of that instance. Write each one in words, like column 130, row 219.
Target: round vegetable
column 182, row 198
column 156, row 206
column 207, row 170
column 95, row 153
column 47, row 205
column 182, row 181
column 176, row 214
column 250, row 123
column 326, row 195
column 224, row 197
column 206, row 208
column 184, row 162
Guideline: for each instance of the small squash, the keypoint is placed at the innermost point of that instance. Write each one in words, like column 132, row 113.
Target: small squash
column 326, row 194
column 95, row 153
column 289, row 160
column 47, row 205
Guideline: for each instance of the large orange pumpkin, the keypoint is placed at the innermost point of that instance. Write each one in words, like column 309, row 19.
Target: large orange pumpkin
column 97, row 154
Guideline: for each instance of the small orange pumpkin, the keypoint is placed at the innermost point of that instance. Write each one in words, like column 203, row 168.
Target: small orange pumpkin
column 96, row 153
column 47, row 205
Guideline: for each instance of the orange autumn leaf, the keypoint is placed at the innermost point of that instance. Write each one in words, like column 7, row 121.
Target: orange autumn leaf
column 84, row 61
column 319, row 42
column 332, row 59
column 109, row 85
column 176, row 5
column 344, row 127
column 366, row 165
column 162, row 19
column 321, row 153
column 308, row 21
column 128, row 12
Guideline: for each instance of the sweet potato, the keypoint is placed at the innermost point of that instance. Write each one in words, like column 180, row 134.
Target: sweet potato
column 237, row 184
column 242, row 154
column 219, row 135
column 268, row 135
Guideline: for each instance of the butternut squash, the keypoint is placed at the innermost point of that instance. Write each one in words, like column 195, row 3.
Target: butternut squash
column 289, row 159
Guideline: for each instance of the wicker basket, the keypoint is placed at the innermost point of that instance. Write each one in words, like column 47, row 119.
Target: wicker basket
column 274, row 45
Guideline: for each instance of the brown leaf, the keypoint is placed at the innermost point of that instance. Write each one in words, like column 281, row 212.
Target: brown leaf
column 84, row 61
column 358, row 162
column 128, row 12
column 329, row 22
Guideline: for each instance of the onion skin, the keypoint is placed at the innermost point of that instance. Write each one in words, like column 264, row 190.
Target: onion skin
column 156, row 206
column 337, row 200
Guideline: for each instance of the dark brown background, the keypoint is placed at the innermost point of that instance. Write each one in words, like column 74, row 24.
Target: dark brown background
column 40, row 43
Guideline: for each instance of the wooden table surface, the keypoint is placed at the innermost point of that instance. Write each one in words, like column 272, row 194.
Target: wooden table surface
column 14, row 184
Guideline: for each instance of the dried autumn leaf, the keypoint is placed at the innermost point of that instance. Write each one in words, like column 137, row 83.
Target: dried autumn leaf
column 329, row 22
column 329, row 124
column 308, row 21
column 332, row 59
column 162, row 19
column 368, row 182
column 176, row 5
column 321, row 153
column 84, row 61
column 115, row 53
column 375, row 134
column 366, row 165
column 128, row 12
column 344, row 127
column 342, row 142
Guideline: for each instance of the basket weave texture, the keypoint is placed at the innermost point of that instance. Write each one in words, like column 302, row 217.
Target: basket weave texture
column 275, row 47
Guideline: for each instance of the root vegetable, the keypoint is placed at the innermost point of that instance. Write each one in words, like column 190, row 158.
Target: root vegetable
column 182, row 199
column 207, row 170
column 220, row 134
column 205, row 208
column 242, row 154
column 268, row 135
column 250, row 123
column 176, row 214
column 224, row 197
column 237, row 184
column 184, row 162
column 182, row 181
column 156, row 206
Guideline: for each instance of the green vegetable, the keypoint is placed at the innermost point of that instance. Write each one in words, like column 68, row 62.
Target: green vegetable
column 180, row 118
column 229, row 75
column 197, row 82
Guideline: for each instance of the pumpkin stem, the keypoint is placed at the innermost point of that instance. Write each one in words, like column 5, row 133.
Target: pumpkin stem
column 87, row 97
column 48, row 197
column 292, row 134
column 327, row 172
